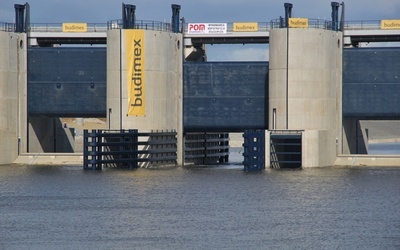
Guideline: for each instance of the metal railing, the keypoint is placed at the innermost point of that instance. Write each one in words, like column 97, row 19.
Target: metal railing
column 8, row 27
column 277, row 23
column 142, row 24
column 363, row 25
column 206, row 148
column 312, row 23
column 162, row 26
column 128, row 148
column 91, row 27
column 58, row 27
column 285, row 148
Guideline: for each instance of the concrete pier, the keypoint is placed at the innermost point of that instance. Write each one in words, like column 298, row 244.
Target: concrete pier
column 160, row 82
column 305, row 90
column 12, row 94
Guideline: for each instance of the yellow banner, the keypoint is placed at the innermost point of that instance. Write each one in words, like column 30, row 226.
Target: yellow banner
column 245, row 27
column 390, row 24
column 135, row 72
column 74, row 27
column 298, row 22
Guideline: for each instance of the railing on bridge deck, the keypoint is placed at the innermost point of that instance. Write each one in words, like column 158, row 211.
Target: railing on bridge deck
column 58, row 27
column 277, row 23
column 162, row 26
column 362, row 25
column 8, row 27
column 312, row 23
column 142, row 24
column 91, row 27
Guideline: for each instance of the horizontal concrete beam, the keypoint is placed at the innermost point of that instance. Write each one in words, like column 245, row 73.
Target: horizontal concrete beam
column 368, row 160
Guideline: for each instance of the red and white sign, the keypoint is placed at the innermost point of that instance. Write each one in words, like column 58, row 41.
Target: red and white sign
column 207, row 28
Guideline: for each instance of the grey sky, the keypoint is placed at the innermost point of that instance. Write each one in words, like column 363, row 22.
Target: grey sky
column 101, row 11
column 97, row 11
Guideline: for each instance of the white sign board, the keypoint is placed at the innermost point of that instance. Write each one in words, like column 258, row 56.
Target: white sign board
column 207, row 28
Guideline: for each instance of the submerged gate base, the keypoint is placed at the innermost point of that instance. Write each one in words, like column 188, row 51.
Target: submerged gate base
column 128, row 149
column 285, row 149
column 206, row 148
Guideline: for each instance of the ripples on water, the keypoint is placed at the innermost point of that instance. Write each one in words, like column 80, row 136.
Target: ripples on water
column 53, row 207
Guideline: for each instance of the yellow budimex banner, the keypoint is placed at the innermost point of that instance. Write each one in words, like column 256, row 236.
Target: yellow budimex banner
column 74, row 27
column 135, row 72
column 390, row 24
column 298, row 22
column 245, row 27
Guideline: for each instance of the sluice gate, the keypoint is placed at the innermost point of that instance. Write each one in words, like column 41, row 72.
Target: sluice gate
column 206, row 148
column 285, row 149
column 67, row 81
column 225, row 96
column 128, row 149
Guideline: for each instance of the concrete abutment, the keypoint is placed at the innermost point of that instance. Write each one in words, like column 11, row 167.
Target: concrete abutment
column 305, row 90
column 12, row 95
column 160, row 80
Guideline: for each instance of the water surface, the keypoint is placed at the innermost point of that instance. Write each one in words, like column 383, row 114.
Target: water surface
column 64, row 207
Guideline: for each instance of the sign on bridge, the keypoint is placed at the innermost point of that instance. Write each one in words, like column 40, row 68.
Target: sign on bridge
column 207, row 28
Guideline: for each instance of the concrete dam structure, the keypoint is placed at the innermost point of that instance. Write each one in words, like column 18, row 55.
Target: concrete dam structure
column 308, row 100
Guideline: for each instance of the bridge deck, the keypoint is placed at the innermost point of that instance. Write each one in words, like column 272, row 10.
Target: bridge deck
column 354, row 32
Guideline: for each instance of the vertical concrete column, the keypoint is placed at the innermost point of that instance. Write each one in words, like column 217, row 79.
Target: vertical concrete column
column 162, row 52
column 305, row 74
column 12, row 87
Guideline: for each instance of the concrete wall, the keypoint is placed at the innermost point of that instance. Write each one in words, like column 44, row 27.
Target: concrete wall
column 314, row 146
column 307, row 96
column 163, row 74
column 12, row 93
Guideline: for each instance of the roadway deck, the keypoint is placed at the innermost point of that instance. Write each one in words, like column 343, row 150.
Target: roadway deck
column 355, row 32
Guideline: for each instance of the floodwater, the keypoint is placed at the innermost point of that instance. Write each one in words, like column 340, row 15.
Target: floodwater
column 65, row 207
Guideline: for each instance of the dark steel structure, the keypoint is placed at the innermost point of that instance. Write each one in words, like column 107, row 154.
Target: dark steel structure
column 285, row 149
column 371, row 83
column 175, row 17
column 254, row 150
column 67, row 82
column 126, row 149
column 225, row 96
column 218, row 96
column 206, row 148
column 128, row 16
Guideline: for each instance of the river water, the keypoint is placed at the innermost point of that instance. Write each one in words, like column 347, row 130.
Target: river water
column 65, row 207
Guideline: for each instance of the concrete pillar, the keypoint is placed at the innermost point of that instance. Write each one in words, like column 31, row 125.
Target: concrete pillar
column 305, row 79
column 162, row 53
column 12, row 94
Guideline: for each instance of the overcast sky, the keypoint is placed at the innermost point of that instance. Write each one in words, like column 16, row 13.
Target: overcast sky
column 101, row 11
column 97, row 11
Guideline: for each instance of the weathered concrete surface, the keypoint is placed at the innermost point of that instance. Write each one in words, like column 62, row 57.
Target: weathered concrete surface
column 12, row 93
column 50, row 159
column 163, row 80
column 368, row 160
column 305, row 89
